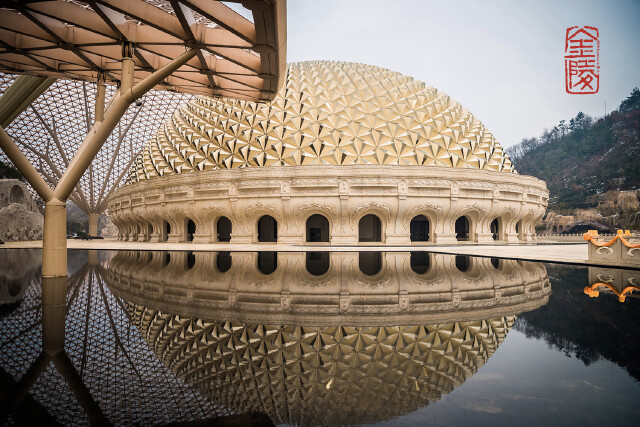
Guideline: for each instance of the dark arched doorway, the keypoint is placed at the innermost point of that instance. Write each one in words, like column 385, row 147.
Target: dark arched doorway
column 419, row 229
column 267, row 262
column 166, row 230
column 370, row 263
column 17, row 195
column 462, row 229
column 223, row 228
column 267, row 229
column 495, row 229
column 317, row 263
column 370, row 229
column 317, row 228
column 191, row 230
column 519, row 230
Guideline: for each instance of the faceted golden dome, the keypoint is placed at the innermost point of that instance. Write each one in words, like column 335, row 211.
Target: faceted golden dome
column 336, row 113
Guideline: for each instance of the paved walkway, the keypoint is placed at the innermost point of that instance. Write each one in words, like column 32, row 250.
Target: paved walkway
column 575, row 253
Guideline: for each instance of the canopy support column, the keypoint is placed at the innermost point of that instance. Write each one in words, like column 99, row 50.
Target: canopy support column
column 54, row 254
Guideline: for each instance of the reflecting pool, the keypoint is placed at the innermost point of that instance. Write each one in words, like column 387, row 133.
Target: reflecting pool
column 316, row 338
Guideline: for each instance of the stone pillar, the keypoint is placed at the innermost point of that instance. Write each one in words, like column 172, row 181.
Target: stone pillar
column 54, row 245
column 93, row 224
column 201, row 238
column 484, row 238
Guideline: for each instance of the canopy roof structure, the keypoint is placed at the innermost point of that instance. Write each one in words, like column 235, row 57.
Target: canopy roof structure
column 51, row 129
column 195, row 46
column 73, row 39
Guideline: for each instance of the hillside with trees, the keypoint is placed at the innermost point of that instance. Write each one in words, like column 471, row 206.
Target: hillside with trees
column 585, row 157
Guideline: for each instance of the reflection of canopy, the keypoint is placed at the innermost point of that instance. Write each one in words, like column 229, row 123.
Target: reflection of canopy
column 192, row 283
column 321, row 375
column 105, row 370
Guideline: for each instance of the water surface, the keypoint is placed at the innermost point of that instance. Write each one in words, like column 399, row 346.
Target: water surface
column 321, row 338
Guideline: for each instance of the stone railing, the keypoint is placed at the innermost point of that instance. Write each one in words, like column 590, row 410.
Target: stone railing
column 623, row 249
column 573, row 237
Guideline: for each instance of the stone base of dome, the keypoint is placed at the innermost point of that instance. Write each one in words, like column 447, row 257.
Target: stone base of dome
column 350, row 205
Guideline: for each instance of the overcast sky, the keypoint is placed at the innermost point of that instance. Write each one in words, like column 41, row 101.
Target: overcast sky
column 502, row 60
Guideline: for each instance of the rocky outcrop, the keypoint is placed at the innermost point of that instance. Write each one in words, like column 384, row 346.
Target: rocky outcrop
column 16, row 191
column 18, row 223
column 614, row 210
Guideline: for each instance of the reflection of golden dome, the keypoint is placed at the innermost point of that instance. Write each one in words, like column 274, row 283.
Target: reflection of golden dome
column 336, row 113
column 321, row 375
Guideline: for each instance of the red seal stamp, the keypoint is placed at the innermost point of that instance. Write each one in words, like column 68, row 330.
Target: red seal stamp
column 582, row 60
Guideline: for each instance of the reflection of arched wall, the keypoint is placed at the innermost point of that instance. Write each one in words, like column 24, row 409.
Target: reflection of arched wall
column 343, row 289
column 342, row 194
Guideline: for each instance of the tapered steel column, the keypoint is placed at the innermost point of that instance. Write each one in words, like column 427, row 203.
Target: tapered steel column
column 93, row 224
column 54, row 254
column 54, row 239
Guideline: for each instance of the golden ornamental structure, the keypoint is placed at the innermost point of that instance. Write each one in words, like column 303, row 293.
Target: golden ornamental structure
column 345, row 153
column 328, row 113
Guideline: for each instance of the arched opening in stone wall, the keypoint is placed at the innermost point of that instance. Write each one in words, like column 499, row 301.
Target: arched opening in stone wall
column 317, row 228
column 463, row 262
column 223, row 228
column 149, row 230
column 191, row 230
column 370, row 229
column 17, row 195
column 462, row 229
column 267, row 262
column 495, row 229
column 191, row 260
column 555, row 229
column 370, row 263
column 419, row 229
column 317, row 263
column 223, row 261
column 520, row 231
column 166, row 230
column 267, row 229
column 420, row 262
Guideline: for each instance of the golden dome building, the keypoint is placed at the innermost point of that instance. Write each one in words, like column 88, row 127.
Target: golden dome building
column 345, row 153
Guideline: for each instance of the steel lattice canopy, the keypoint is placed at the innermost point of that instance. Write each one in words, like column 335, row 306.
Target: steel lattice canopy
column 77, row 40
